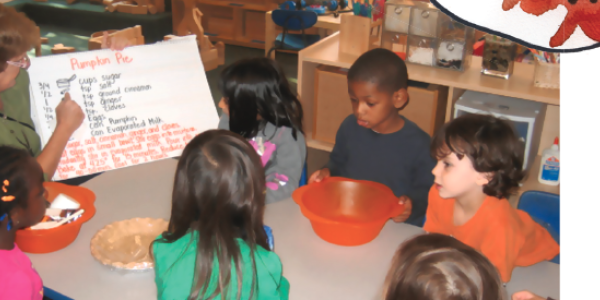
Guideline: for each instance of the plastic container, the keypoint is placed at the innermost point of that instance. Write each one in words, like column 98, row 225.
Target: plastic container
column 50, row 240
column 421, row 50
column 498, row 57
column 550, row 165
column 424, row 21
column 421, row 34
column 347, row 212
column 547, row 75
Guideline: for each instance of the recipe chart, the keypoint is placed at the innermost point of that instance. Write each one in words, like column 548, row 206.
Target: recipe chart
column 141, row 104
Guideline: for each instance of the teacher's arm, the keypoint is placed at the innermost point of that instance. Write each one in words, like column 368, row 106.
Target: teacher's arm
column 69, row 117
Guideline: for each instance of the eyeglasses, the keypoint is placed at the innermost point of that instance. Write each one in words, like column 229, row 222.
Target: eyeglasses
column 23, row 63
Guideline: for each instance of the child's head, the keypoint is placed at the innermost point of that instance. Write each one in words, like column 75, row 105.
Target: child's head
column 219, row 193
column 377, row 84
column 439, row 267
column 477, row 153
column 256, row 91
column 18, row 35
column 22, row 201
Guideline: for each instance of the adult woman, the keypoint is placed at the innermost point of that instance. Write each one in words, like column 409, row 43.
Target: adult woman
column 18, row 35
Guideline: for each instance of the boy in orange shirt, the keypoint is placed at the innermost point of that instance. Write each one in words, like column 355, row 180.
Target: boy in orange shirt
column 479, row 164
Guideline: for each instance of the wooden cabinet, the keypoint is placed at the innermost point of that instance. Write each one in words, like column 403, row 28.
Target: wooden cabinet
column 235, row 22
column 426, row 107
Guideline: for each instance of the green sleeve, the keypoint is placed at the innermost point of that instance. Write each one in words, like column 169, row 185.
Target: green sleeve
column 271, row 283
column 17, row 105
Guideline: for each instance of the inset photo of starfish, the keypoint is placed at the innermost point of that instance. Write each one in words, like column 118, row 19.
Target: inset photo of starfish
column 548, row 25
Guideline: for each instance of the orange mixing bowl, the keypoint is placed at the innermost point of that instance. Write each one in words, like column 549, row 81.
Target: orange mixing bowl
column 347, row 212
column 50, row 240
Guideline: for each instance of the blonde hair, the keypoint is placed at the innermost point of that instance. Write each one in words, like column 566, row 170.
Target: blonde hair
column 18, row 34
column 439, row 267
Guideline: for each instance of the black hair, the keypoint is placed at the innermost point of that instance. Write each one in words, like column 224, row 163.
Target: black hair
column 258, row 87
column 492, row 146
column 219, row 194
column 13, row 170
column 382, row 67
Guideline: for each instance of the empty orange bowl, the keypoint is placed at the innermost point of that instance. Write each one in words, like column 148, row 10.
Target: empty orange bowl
column 347, row 212
column 50, row 240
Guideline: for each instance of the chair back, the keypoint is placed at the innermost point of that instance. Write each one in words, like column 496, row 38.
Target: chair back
column 294, row 19
column 542, row 207
column 303, row 177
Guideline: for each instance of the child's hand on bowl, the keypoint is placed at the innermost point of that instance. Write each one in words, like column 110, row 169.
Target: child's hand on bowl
column 408, row 209
column 319, row 175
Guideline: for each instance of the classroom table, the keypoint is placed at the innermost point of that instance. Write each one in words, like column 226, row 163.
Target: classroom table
column 324, row 23
column 315, row 268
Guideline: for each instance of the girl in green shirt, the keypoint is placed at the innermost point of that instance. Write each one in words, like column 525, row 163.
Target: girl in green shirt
column 216, row 246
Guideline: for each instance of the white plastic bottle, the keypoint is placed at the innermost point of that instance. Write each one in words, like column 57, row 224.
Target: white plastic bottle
column 550, row 165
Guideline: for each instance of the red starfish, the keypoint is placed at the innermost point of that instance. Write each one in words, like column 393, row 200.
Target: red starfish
column 582, row 13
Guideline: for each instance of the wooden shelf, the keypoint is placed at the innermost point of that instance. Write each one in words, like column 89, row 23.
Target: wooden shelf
column 233, row 4
column 237, row 42
column 236, row 22
column 520, row 84
column 316, row 144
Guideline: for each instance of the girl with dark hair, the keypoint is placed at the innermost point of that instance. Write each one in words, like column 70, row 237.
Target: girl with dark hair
column 259, row 105
column 22, row 204
column 216, row 246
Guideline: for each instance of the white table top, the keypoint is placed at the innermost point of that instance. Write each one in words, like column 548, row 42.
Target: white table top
column 315, row 268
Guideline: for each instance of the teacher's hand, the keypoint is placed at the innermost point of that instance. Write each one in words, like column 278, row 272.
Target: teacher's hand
column 69, row 115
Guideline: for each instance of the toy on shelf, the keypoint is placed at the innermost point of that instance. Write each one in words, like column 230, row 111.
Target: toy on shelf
column 498, row 56
column 60, row 48
column 132, row 34
column 138, row 7
column 421, row 34
column 39, row 42
column 327, row 7
column 212, row 55
column 378, row 9
column 293, row 5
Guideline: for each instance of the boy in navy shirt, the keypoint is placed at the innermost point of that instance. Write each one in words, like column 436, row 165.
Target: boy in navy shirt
column 375, row 143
